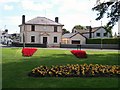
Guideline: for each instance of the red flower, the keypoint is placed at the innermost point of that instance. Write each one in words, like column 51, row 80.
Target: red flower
column 79, row 53
column 28, row 51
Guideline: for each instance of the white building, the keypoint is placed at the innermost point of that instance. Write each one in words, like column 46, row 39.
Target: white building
column 4, row 37
column 41, row 30
column 96, row 32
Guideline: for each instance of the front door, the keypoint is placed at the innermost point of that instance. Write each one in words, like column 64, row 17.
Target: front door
column 44, row 40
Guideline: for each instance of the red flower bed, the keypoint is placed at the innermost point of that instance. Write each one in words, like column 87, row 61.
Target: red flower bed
column 79, row 53
column 28, row 51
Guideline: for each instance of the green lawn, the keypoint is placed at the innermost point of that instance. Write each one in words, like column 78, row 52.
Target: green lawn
column 15, row 68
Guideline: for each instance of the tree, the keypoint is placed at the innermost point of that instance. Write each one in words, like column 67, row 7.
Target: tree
column 78, row 27
column 112, row 9
column 65, row 31
column 108, row 30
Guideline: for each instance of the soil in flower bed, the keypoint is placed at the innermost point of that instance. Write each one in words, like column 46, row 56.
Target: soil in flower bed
column 76, row 71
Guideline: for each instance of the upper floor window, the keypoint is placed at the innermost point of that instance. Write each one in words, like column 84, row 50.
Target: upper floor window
column 98, row 34
column 55, row 39
column 55, row 28
column 32, row 38
column 32, row 27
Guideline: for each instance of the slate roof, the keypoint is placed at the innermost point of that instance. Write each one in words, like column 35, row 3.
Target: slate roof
column 42, row 21
column 94, row 29
column 70, row 35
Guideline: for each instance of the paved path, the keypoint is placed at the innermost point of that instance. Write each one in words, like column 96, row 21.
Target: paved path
column 5, row 46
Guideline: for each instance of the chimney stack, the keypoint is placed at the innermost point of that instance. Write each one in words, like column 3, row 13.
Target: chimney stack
column 56, row 19
column 90, row 31
column 23, row 19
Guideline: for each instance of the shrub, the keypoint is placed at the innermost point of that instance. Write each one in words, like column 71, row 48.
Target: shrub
column 104, row 41
column 76, row 70
column 79, row 53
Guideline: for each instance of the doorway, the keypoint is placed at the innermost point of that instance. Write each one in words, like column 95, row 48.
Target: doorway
column 44, row 40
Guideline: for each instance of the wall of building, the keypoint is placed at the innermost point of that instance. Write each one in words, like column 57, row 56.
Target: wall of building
column 39, row 34
column 78, row 37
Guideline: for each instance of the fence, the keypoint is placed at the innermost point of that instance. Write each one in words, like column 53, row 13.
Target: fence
column 92, row 46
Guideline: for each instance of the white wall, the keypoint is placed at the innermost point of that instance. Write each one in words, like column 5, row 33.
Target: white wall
column 101, row 31
column 37, row 33
column 78, row 37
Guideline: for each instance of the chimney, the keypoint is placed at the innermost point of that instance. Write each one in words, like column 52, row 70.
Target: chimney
column 56, row 19
column 23, row 19
column 90, row 31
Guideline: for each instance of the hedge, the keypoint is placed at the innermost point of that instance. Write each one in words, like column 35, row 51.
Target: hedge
column 104, row 41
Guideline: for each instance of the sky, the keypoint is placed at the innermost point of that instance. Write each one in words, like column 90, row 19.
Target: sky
column 70, row 13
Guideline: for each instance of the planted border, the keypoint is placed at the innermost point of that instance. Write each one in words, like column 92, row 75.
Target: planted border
column 76, row 70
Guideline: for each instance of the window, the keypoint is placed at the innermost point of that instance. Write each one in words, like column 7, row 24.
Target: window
column 33, row 28
column 55, row 39
column 98, row 34
column 55, row 28
column 32, row 38
column 105, row 34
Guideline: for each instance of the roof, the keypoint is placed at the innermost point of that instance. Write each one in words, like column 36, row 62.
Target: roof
column 94, row 29
column 42, row 21
column 70, row 35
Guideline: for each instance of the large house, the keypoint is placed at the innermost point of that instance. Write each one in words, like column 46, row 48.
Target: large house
column 95, row 32
column 41, row 30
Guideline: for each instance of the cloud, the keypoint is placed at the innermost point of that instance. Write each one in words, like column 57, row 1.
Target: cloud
column 36, row 6
column 8, row 1
column 8, row 7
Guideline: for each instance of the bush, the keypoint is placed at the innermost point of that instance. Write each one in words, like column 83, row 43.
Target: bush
column 79, row 53
column 104, row 41
column 76, row 70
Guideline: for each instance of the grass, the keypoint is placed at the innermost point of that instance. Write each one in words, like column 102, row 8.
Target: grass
column 15, row 68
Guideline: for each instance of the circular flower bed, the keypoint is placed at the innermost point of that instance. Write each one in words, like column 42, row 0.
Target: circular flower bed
column 79, row 53
column 76, row 71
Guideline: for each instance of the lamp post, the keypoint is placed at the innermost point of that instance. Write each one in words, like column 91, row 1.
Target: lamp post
column 101, row 37
column 23, row 23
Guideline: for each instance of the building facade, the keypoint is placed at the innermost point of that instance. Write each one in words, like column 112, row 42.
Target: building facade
column 41, row 30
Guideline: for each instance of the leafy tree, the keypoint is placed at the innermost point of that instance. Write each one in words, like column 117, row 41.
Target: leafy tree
column 112, row 9
column 65, row 31
column 108, row 30
column 78, row 27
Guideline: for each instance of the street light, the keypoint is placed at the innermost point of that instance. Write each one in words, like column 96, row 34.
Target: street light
column 23, row 23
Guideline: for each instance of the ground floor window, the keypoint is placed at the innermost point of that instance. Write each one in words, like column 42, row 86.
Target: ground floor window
column 75, row 41
column 32, row 38
column 55, row 39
